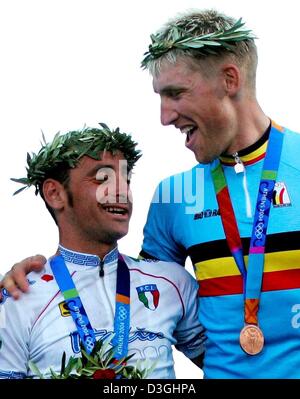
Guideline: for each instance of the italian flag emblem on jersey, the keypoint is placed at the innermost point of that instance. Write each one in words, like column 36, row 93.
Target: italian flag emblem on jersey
column 148, row 295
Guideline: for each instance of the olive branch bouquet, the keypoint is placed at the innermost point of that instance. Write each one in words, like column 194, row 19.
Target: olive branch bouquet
column 99, row 364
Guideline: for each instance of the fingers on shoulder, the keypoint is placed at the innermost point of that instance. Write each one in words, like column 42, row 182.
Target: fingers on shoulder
column 10, row 285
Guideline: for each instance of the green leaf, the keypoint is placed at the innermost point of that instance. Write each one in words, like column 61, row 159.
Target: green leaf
column 103, row 125
column 55, row 376
column 89, row 358
column 20, row 190
column 23, row 180
column 35, row 369
column 63, row 364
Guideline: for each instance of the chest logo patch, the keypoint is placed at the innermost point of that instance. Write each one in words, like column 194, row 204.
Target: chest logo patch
column 280, row 195
column 148, row 295
column 64, row 309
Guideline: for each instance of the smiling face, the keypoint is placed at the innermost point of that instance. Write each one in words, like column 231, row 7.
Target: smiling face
column 99, row 211
column 200, row 107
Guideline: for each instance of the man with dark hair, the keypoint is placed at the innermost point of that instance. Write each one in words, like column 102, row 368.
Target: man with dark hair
column 89, row 291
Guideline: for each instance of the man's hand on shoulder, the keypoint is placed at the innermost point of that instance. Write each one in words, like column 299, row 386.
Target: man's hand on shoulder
column 15, row 281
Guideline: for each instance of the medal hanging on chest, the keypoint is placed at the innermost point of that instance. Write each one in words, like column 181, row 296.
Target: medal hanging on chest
column 252, row 339
column 251, row 336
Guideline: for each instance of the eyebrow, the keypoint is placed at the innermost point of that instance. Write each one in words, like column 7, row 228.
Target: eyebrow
column 94, row 171
column 170, row 89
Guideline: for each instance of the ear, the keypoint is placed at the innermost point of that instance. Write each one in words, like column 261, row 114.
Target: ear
column 232, row 78
column 55, row 194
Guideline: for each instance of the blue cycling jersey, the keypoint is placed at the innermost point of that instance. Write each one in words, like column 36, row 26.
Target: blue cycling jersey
column 173, row 232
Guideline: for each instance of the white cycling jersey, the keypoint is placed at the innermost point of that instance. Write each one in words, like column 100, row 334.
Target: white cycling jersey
column 39, row 326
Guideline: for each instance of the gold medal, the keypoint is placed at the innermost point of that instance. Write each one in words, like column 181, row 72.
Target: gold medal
column 252, row 339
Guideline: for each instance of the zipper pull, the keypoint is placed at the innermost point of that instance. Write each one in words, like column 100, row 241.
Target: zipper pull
column 101, row 268
column 239, row 166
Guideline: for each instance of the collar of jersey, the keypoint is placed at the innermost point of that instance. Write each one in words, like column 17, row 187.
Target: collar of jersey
column 251, row 154
column 82, row 259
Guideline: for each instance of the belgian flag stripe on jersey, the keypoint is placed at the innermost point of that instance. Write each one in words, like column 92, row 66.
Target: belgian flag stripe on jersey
column 219, row 249
column 222, row 277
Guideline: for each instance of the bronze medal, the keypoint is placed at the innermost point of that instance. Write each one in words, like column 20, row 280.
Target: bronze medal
column 252, row 339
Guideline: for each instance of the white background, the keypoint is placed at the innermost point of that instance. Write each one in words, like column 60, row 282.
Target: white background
column 66, row 63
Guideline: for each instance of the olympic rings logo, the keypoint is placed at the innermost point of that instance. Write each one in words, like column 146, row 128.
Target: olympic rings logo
column 259, row 228
column 89, row 343
column 123, row 314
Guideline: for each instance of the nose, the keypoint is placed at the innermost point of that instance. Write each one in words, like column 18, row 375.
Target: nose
column 168, row 114
column 122, row 188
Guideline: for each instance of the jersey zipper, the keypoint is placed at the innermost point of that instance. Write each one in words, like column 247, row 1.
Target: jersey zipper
column 240, row 168
column 101, row 268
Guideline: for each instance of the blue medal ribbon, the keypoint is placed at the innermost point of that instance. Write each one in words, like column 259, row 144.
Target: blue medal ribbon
column 122, row 312
column 254, row 274
column 79, row 315
column 262, row 214
column 72, row 298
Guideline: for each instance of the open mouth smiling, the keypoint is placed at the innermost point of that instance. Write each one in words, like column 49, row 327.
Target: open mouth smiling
column 115, row 209
column 188, row 130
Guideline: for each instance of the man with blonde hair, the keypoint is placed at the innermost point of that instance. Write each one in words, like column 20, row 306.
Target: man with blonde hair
column 244, row 243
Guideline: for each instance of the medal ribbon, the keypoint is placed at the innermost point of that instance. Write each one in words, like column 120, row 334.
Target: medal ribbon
column 252, row 278
column 228, row 219
column 78, row 313
column 122, row 312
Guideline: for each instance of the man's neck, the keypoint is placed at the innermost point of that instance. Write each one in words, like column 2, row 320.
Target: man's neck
column 99, row 249
column 250, row 127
